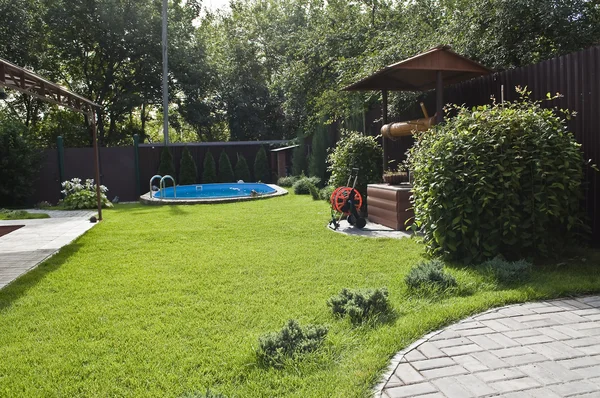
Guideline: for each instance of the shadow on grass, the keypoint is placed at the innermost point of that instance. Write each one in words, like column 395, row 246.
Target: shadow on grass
column 20, row 286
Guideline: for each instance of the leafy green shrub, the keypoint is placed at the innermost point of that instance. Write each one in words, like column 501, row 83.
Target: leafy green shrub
column 242, row 172
column 291, row 341
column 303, row 186
column 80, row 195
column 19, row 163
column 314, row 192
column 429, row 274
column 166, row 166
column 209, row 174
column 508, row 271
column 355, row 150
column 225, row 169
column 287, row 182
column 502, row 179
column 360, row 305
column 261, row 167
column 325, row 193
column 188, row 173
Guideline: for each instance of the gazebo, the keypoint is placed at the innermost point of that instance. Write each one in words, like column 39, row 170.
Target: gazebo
column 19, row 79
column 432, row 69
column 390, row 205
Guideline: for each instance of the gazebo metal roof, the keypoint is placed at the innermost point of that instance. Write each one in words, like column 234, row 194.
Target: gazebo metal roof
column 419, row 73
column 27, row 82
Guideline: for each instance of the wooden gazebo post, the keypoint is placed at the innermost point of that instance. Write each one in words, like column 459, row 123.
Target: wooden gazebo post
column 439, row 96
column 97, row 163
column 384, row 114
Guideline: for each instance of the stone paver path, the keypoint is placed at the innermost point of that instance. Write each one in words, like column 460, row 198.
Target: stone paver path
column 23, row 249
column 371, row 230
column 544, row 349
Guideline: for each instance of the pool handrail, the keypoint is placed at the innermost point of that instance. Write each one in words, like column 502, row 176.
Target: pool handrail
column 162, row 186
column 152, row 179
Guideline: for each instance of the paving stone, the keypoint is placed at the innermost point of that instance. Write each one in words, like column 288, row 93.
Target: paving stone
column 410, row 390
column 470, row 363
column 549, row 372
column 525, row 359
column 446, row 371
column 433, row 363
column 580, row 362
column 485, row 342
column 407, row 374
column 588, row 372
column 496, row 326
column 534, row 340
column 474, row 385
column 446, row 334
column 475, row 331
column 451, row 342
column 553, row 333
column 430, row 350
column 542, row 393
column 462, row 349
column 512, row 351
column 557, row 350
column 515, row 384
column 583, row 342
column 502, row 340
column 574, row 387
column 414, row 355
column 489, row 359
column 499, row 374
column 522, row 333
column 394, row 381
column 452, row 389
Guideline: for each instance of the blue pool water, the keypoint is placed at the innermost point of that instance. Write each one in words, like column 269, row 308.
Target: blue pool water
column 215, row 191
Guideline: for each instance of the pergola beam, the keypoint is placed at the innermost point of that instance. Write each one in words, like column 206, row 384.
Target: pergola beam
column 19, row 79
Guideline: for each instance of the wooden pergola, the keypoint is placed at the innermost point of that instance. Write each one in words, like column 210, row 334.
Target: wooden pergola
column 432, row 69
column 19, row 79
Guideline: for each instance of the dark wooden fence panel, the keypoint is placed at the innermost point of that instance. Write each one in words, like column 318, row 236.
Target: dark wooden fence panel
column 576, row 76
column 47, row 184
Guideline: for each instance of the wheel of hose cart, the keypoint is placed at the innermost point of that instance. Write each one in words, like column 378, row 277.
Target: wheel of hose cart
column 361, row 222
column 351, row 219
column 339, row 197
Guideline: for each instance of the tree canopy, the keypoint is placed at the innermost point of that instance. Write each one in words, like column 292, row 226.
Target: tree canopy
column 265, row 69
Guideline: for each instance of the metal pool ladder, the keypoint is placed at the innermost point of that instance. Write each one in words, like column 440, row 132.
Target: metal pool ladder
column 162, row 183
column 162, row 186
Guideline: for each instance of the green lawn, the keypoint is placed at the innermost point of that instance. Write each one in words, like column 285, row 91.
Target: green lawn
column 170, row 301
column 20, row 215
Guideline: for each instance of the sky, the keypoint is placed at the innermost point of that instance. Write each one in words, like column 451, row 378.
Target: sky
column 215, row 4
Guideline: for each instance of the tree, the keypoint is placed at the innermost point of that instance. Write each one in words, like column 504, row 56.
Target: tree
column 225, row 169
column 19, row 163
column 166, row 166
column 209, row 174
column 317, row 166
column 242, row 172
column 188, row 173
column 299, row 160
column 261, row 167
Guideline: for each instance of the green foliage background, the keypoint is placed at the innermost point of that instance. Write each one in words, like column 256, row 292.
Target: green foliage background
column 261, row 167
column 242, row 172
column 19, row 163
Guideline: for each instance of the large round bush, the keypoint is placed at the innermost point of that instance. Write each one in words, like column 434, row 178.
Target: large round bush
column 355, row 150
column 502, row 179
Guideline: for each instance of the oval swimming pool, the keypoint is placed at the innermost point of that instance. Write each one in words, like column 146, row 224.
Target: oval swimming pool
column 214, row 191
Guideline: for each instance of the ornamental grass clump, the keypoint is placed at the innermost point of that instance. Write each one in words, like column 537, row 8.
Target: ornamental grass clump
column 360, row 305
column 498, row 179
column 275, row 348
column 507, row 272
column 429, row 275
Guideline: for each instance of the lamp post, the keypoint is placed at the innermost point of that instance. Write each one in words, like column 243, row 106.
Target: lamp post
column 165, row 88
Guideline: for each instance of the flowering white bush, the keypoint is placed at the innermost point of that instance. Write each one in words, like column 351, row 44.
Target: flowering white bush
column 83, row 196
